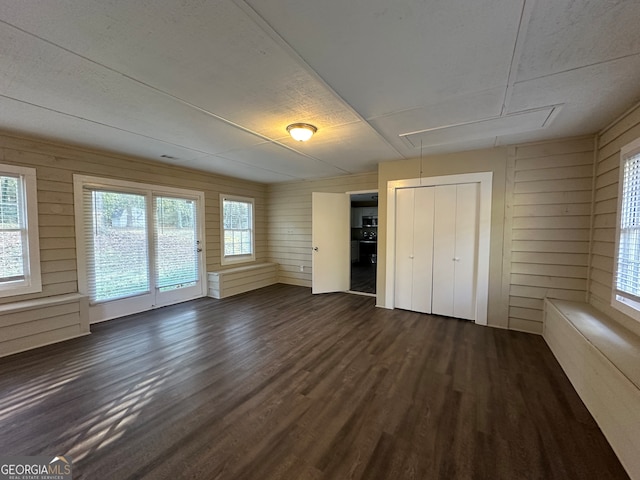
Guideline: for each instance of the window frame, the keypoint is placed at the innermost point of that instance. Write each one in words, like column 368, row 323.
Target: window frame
column 238, row 258
column 32, row 282
column 626, row 305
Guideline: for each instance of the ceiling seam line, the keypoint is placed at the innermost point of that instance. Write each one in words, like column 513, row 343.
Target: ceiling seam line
column 482, row 120
column 299, row 59
column 595, row 64
column 445, row 99
column 169, row 95
column 523, row 25
column 206, row 154
column 102, row 124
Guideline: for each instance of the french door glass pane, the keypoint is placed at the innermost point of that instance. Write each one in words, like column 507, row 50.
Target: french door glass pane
column 176, row 243
column 117, row 244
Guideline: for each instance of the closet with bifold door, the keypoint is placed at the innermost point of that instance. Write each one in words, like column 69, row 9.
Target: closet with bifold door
column 436, row 249
column 414, row 248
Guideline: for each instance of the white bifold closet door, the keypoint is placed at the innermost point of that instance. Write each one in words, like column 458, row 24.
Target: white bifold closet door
column 436, row 249
column 414, row 246
column 454, row 250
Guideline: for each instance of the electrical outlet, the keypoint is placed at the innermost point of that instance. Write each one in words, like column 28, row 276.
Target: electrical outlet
column 302, row 268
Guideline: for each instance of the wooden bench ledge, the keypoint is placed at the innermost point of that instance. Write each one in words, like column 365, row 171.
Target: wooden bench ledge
column 243, row 268
column 601, row 358
column 620, row 345
column 39, row 303
column 241, row 279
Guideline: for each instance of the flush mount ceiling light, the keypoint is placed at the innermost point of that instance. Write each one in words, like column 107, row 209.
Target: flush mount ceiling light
column 301, row 131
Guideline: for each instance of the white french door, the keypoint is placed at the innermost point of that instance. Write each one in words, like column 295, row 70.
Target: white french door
column 139, row 246
column 177, row 249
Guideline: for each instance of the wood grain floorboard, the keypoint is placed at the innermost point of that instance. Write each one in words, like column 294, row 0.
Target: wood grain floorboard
column 280, row 384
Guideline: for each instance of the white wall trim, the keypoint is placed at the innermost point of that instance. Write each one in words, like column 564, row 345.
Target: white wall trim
column 32, row 282
column 485, row 179
column 624, row 304
column 356, row 192
column 237, row 259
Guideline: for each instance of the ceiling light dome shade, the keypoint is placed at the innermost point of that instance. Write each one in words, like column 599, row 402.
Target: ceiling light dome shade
column 301, row 131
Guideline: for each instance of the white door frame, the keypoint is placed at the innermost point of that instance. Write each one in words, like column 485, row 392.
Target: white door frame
column 358, row 192
column 485, row 179
column 118, row 308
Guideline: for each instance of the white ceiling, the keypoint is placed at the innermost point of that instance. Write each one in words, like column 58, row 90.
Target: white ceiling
column 214, row 84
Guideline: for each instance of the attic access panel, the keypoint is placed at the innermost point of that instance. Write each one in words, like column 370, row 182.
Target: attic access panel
column 519, row 122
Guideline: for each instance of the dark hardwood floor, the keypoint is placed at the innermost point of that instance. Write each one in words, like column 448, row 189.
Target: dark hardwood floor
column 363, row 277
column 278, row 383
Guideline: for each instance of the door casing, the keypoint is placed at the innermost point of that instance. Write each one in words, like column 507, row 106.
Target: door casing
column 117, row 308
column 485, row 179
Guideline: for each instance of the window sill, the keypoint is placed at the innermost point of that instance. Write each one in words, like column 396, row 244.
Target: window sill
column 627, row 306
column 16, row 291
column 238, row 259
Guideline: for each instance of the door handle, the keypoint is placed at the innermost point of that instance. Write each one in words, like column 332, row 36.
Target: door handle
column 315, row 249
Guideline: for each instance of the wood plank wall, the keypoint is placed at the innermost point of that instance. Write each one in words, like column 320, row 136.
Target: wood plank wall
column 289, row 221
column 30, row 324
column 610, row 141
column 55, row 165
column 547, row 226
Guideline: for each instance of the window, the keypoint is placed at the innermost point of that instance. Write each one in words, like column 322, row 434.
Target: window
column 237, row 229
column 19, row 248
column 626, row 290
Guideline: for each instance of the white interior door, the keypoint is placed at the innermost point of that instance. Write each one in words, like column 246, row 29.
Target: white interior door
column 414, row 248
column 455, row 250
column 423, row 250
column 330, row 239
column 465, row 251
column 444, row 244
column 404, row 248
column 482, row 238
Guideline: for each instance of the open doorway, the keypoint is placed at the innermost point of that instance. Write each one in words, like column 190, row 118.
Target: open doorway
column 364, row 242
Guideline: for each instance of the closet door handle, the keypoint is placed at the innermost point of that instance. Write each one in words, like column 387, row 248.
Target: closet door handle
column 456, row 259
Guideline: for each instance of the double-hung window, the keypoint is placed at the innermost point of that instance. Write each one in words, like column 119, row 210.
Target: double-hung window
column 237, row 226
column 19, row 246
column 626, row 285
